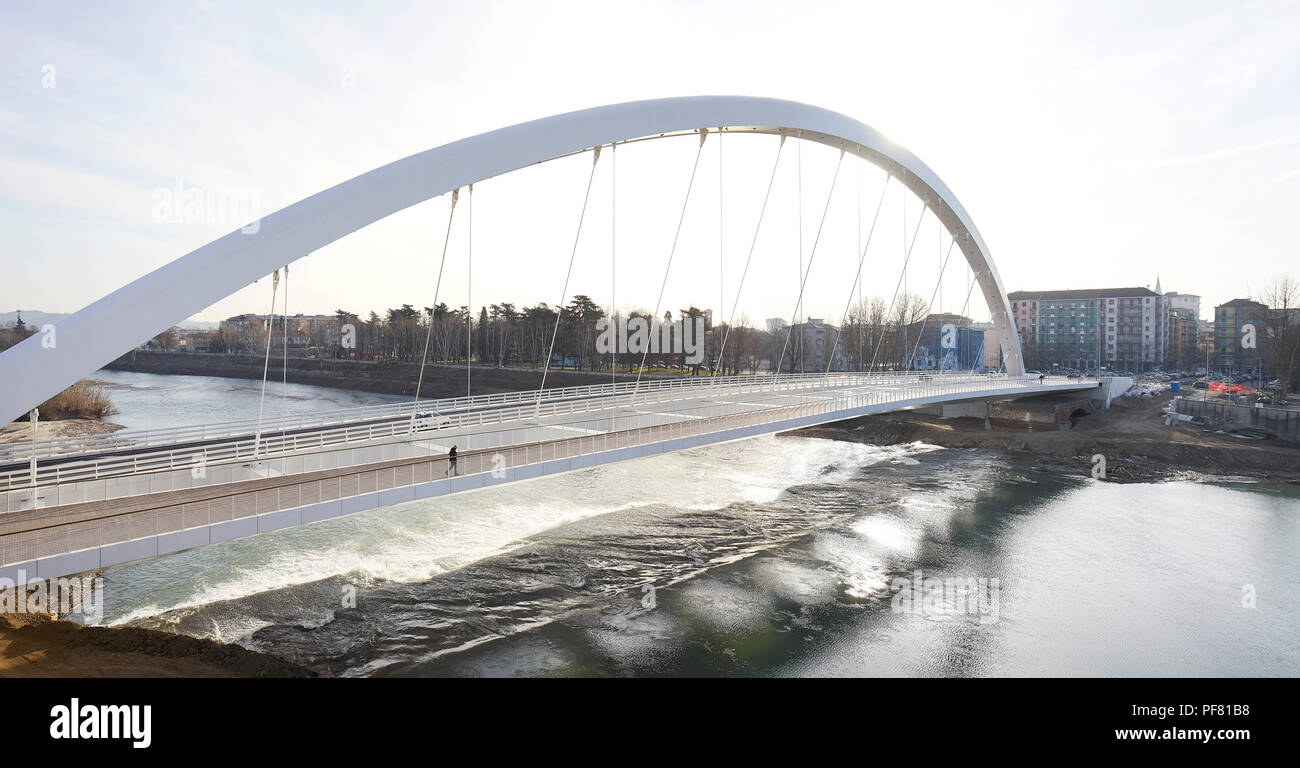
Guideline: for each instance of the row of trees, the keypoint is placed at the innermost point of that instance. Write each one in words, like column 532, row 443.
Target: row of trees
column 506, row 335
column 501, row 334
column 877, row 335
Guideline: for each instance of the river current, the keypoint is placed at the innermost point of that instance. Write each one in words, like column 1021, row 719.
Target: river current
column 769, row 556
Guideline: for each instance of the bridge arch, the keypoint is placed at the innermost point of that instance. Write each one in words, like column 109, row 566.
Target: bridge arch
column 87, row 340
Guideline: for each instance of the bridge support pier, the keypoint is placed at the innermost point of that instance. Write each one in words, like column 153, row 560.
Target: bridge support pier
column 975, row 409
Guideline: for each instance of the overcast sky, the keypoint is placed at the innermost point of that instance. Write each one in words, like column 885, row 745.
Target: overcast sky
column 1094, row 144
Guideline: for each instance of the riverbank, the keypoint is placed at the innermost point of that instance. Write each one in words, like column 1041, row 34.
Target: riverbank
column 40, row 646
column 79, row 410
column 19, row 431
column 387, row 378
column 1131, row 435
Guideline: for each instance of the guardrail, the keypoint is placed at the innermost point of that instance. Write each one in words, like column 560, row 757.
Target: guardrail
column 171, row 470
column 47, row 537
column 272, row 444
column 65, row 446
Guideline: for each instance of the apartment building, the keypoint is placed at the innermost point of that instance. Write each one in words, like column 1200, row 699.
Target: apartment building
column 1119, row 328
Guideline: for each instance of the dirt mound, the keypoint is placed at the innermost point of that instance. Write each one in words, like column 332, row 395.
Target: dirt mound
column 34, row 646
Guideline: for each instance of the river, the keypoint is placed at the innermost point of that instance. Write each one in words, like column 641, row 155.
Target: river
column 770, row 556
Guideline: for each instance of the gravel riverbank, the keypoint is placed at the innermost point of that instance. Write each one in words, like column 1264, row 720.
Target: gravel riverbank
column 1131, row 434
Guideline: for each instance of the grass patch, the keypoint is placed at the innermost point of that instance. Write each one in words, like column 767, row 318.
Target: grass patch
column 82, row 400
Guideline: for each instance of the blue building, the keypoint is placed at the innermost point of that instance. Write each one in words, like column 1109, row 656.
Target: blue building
column 946, row 342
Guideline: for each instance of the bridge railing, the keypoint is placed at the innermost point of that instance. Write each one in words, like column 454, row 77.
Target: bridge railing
column 64, row 446
column 34, row 538
column 23, row 450
column 289, row 454
column 248, row 447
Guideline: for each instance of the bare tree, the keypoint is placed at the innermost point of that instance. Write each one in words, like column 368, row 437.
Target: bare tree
column 167, row 340
column 1282, row 334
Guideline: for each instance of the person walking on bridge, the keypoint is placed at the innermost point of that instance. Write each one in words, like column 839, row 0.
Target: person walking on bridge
column 451, row 463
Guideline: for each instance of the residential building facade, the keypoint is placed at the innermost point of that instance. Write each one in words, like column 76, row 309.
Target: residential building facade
column 1239, row 327
column 247, row 333
column 813, row 345
column 1186, row 302
column 1182, row 351
column 1120, row 329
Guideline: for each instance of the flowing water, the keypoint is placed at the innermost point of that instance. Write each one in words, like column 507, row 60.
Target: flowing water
column 149, row 401
column 769, row 556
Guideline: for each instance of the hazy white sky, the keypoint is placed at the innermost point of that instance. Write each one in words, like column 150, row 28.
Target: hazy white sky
column 1094, row 144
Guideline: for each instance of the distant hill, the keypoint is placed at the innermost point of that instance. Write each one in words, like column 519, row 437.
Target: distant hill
column 31, row 317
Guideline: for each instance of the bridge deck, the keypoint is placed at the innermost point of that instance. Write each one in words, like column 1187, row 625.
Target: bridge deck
column 86, row 535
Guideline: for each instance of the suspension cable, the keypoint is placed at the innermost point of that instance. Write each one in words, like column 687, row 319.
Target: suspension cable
column 830, row 193
column 469, row 290
column 901, row 277
column 799, row 276
column 722, row 247
column 930, row 308
column 752, row 243
column 938, row 228
column 284, row 373
column 559, row 310
column 860, row 318
column 857, row 281
column 613, row 254
column 437, row 286
column 266, row 361
column 974, row 278
column 704, row 133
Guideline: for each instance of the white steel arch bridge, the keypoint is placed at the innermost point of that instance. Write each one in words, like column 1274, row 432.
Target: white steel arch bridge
column 80, row 504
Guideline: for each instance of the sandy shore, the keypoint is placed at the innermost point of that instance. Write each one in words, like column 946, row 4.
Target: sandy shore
column 37, row 646
column 1131, row 434
column 46, row 430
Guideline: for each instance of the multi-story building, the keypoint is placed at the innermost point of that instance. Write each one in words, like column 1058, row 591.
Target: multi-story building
column 1182, row 348
column 247, row 333
column 946, row 342
column 1204, row 345
column 1181, row 351
column 243, row 333
column 991, row 346
column 1118, row 328
column 1184, row 301
column 197, row 340
column 1239, row 328
column 812, row 344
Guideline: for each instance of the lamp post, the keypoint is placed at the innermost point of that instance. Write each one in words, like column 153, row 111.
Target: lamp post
column 35, row 417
